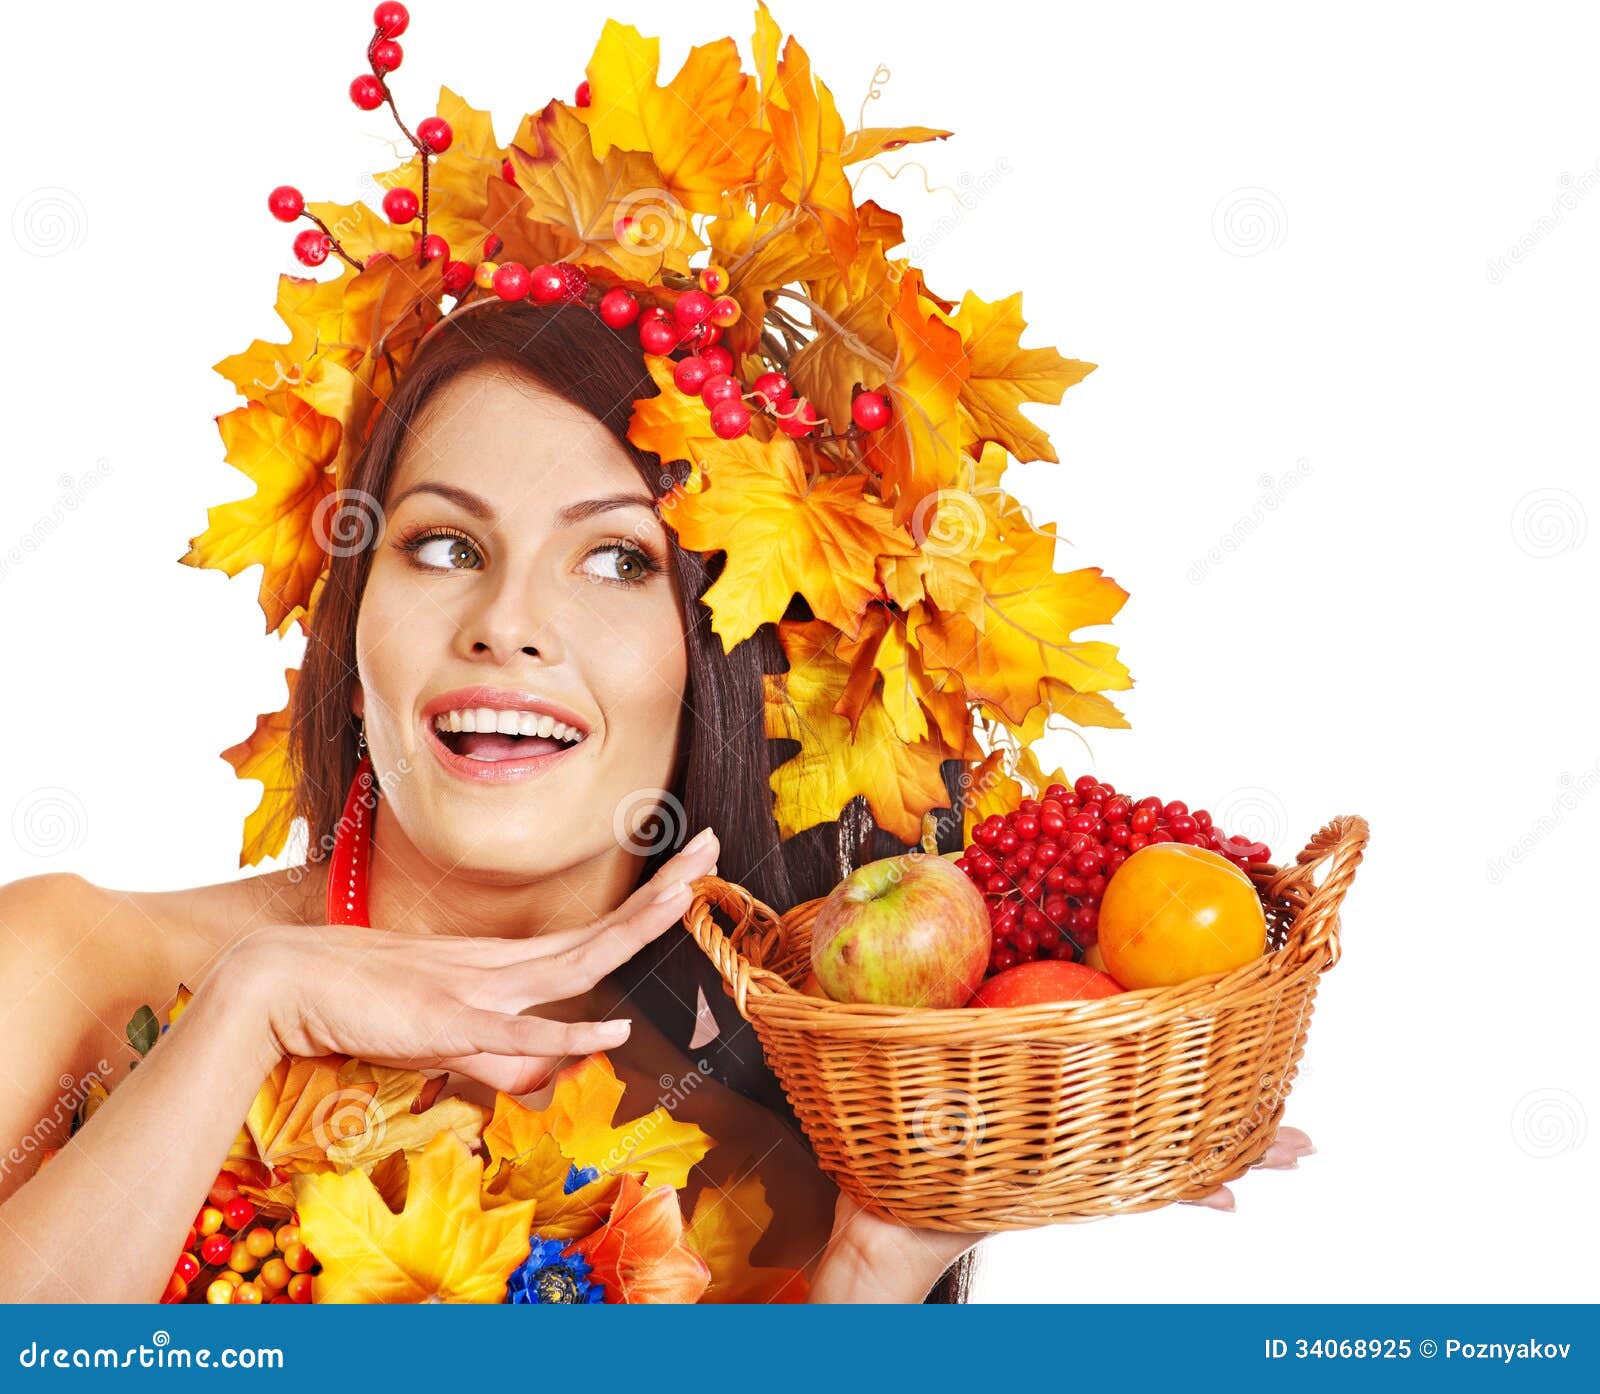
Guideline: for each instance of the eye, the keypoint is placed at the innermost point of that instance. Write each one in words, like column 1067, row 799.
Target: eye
column 628, row 564
column 439, row 549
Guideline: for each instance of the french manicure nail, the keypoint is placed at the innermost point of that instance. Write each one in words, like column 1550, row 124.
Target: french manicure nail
column 699, row 840
column 616, row 1030
column 673, row 892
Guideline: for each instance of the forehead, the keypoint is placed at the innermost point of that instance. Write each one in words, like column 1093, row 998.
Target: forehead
column 506, row 436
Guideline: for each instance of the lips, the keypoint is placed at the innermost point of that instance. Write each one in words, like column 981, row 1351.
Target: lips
column 500, row 735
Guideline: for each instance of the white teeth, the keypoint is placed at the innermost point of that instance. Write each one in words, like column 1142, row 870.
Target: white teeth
column 508, row 722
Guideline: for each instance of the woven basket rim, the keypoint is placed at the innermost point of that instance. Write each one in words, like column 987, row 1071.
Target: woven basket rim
column 768, row 992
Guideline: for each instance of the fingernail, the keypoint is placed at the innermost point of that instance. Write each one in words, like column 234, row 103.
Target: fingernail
column 673, row 892
column 616, row 1030
column 699, row 841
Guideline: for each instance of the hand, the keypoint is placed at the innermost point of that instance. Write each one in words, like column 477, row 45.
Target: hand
column 424, row 1001
column 873, row 1259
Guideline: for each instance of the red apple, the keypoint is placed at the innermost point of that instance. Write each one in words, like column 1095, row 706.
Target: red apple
column 1047, row 980
column 906, row 931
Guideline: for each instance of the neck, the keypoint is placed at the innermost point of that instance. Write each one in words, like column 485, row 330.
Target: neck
column 407, row 891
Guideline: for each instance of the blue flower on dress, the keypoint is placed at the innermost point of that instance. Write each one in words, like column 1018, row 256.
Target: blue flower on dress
column 578, row 1177
column 544, row 1276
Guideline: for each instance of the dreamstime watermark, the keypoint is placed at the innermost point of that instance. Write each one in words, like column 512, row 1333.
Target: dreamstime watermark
column 647, row 821
column 1548, row 1122
column 74, row 1090
column 650, row 222
column 347, row 1123
column 1247, row 222
column 1274, row 491
column 948, row 1123
column 386, row 779
column 1269, row 1095
column 1575, row 788
column 49, row 821
column 1548, row 522
column 345, row 523
column 1254, row 813
column 74, row 490
column 49, row 221
column 160, row 1354
column 1574, row 189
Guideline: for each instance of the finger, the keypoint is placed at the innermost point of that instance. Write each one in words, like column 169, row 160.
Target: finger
column 506, row 1074
column 601, row 950
column 1296, row 1139
column 507, row 1033
column 1219, row 1199
column 1280, row 1154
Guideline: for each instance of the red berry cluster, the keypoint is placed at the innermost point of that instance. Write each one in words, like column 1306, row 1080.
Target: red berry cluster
column 252, row 1265
column 1044, row 866
column 433, row 136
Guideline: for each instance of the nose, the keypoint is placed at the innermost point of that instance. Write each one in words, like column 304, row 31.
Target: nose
column 510, row 623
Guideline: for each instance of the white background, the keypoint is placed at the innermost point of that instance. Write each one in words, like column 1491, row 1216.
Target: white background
column 1339, row 270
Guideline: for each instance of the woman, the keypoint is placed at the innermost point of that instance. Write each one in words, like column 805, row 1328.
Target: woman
column 521, row 922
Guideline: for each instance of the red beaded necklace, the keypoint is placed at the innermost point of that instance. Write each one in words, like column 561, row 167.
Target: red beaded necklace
column 352, row 850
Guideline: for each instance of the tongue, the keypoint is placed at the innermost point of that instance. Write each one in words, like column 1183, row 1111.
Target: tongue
column 492, row 745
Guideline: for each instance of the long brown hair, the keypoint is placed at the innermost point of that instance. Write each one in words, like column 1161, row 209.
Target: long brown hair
column 726, row 758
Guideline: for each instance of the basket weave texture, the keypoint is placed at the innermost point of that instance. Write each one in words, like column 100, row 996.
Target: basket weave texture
column 983, row 1119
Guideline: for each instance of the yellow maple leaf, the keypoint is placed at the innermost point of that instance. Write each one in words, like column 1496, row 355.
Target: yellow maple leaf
column 675, row 425
column 900, row 779
column 287, row 455
column 726, row 1224
column 442, row 1247
column 595, row 199
column 783, row 536
column 1028, row 632
column 882, row 661
column 699, row 128
column 264, row 756
column 1002, row 375
column 579, row 1117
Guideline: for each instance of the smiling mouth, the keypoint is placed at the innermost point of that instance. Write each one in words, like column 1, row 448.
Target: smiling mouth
column 459, row 734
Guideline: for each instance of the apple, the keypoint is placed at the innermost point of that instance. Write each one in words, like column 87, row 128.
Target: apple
column 905, row 931
column 1045, row 980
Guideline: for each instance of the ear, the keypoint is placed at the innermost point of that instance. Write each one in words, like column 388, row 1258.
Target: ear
column 358, row 700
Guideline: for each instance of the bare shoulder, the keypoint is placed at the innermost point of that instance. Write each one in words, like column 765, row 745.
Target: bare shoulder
column 77, row 960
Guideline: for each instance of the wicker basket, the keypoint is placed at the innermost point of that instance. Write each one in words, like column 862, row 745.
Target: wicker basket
column 1012, row 1117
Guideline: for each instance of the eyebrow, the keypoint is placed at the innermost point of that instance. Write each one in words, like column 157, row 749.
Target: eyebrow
column 566, row 516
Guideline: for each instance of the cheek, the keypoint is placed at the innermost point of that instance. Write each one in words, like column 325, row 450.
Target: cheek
column 392, row 630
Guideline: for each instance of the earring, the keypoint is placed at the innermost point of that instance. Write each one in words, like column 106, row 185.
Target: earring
column 361, row 739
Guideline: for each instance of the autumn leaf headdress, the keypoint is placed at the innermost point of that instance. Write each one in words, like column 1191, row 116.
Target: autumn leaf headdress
column 846, row 427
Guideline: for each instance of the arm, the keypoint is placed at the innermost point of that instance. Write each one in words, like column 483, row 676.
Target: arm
column 106, row 1218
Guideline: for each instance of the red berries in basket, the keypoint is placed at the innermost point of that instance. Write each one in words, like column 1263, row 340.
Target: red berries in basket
column 1044, row 866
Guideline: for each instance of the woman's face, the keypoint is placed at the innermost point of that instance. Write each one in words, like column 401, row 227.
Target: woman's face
column 521, row 553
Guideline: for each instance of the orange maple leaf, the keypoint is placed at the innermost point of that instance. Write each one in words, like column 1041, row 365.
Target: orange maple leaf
column 640, row 1253
column 264, row 756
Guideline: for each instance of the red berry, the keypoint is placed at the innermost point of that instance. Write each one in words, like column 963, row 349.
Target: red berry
column 548, row 283
column 691, row 373
column 435, row 248
column 797, row 418
column 657, row 336
column 719, row 358
column 730, row 419
column 870, row 411
column 1175, row 809
column 1057, row 791
column 286, row 203
column 238, row 1212
column 188, row 1267
column 691, row 307
column 720, row 387
column 366, row 92
column 391, row 19
column 511, row 280
column 581, row 96
column 311, row 247
column 1003, row 959
column 1026, row 826
column 772, row 390
column 435, row 133
column 619, row 308
column 400, row 205
column 215, row 1248
column 457, row 277
column 574, row 280
column 386, row 55
column 1083, row 784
